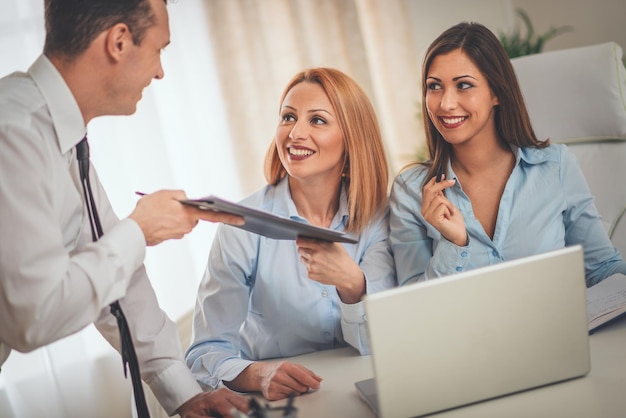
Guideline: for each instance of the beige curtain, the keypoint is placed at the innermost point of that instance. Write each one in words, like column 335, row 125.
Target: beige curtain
column 260, row 45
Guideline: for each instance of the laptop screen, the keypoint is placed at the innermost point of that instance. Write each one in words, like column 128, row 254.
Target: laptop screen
column 479, row 334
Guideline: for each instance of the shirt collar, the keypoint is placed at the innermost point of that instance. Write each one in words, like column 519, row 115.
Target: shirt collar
column 532, row 156
column 529, row 155
column 285, row 206
column 64, row 111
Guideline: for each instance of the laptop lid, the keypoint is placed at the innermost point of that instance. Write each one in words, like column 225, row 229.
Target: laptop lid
column 478, row 334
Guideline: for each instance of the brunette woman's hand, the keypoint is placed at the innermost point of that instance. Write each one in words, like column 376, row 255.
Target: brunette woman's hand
column 438, row 211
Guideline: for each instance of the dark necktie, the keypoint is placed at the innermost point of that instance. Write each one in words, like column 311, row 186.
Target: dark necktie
column 129, row 357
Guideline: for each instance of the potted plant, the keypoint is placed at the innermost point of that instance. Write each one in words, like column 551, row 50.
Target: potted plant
column 521, row 43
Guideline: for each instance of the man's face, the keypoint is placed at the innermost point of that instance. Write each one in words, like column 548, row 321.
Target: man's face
column 141, row 63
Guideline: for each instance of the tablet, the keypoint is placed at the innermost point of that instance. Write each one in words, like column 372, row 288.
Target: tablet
column 267, row 224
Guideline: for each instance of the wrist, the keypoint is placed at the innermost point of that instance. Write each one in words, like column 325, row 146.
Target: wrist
column 352, row 291
column 459, row 242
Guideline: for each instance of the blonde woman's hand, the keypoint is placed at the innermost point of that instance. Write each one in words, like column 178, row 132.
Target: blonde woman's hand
column 276, row 380
column 329, row 263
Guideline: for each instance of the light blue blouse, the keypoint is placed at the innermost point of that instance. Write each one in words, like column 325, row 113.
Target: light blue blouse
column 546, row 205
column 256, row 302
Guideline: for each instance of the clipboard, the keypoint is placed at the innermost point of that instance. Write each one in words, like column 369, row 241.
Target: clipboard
column 267, row 224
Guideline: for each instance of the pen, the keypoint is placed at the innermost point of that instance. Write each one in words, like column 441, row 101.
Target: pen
column 439, row 174
column 140, row 193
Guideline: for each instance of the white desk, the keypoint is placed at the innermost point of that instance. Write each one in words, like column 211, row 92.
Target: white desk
column 601, row 394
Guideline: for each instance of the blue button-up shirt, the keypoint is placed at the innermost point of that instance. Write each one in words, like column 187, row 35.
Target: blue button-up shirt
column 256, row 302
column 546, row 205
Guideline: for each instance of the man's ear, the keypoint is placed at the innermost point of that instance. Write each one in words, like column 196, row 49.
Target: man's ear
column 118, row 40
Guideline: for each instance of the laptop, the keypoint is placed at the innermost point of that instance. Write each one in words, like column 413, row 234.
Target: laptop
column 477, row 335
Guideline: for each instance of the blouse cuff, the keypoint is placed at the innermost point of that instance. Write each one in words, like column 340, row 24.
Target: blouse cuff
column 229, row 370
column 353, row 312
column 449, row 258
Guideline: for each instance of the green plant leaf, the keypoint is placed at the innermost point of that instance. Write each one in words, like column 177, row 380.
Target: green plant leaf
column 518, row 44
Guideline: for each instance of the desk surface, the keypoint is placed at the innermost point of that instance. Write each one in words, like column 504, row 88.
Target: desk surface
column 600, row 394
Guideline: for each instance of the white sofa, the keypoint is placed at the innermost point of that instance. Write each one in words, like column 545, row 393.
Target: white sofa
column 578, row 97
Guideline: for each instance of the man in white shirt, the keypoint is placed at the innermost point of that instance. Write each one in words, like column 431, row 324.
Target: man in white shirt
column 54, row 280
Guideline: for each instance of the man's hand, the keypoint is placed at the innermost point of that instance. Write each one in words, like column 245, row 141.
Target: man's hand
column 161, row 216
column 217, row 403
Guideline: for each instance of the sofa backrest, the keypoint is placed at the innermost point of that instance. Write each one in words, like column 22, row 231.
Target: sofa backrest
column 577, row 96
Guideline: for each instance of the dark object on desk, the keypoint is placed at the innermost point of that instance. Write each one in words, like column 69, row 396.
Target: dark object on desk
column 268, row 224
column 267, row 411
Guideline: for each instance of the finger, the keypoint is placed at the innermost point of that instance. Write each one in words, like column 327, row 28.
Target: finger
column 212, row 216
column 307, row 243
column 226, row 401
column 429, row 192
column 296, row 377
column 285, row 389
column 178, row 194
column 429, row 203
column 436, row 202
column 443, row 185
column 439, row 212
column 170, row 194
column 276, row 391
column 242, row 403
column 305, row 376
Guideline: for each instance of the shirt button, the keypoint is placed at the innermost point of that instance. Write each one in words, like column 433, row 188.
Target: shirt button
column 464, row 254
column 324, row 293
column 495, row 253
column 459, row 268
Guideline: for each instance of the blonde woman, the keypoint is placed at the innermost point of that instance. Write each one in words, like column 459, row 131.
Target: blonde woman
column 262, row 298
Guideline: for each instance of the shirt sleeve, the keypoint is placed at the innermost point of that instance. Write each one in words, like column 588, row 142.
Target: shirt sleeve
column 378, row 268
column 156, row 342
column 54, row 280
column 155, row 336
column 583, row 224
column 222, row 307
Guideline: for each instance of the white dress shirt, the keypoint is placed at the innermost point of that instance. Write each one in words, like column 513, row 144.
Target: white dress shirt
column 54, row 280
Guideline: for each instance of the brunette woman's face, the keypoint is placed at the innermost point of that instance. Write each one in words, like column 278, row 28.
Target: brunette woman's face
column 459, row 100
